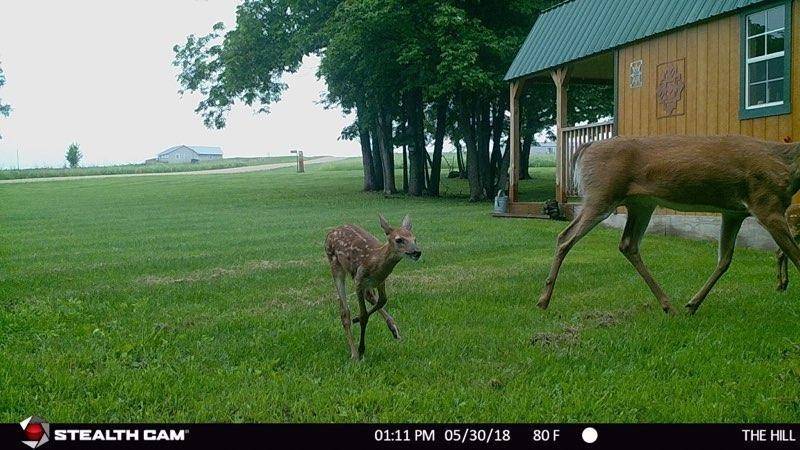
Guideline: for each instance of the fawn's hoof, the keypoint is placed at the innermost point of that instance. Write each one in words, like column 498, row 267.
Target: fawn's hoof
column 691, row 308
column 668, row 309
column 782, row 287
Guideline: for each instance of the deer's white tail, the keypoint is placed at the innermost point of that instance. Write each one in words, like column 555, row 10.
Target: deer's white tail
column 576, row 167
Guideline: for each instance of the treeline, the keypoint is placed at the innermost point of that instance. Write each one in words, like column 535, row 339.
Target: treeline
column 417, row 73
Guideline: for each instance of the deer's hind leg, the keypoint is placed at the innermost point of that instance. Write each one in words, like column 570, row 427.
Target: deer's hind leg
column 592, row 213
column 727, row 243
column 639, row 215
column 339, row 276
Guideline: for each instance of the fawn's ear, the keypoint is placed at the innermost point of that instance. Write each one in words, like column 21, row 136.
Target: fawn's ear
column 384, row 224
column 406, row 222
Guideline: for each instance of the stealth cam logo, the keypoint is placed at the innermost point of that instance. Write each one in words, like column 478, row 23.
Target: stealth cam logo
column 37, row 431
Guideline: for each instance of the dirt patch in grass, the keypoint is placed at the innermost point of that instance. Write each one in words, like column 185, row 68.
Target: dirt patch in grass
column 570, row 333
column 213, row 273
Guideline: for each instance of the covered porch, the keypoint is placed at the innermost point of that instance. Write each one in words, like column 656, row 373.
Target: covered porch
column 598, row 69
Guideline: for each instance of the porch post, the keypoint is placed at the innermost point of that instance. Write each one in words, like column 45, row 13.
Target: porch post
column 560, row 76
column 513, row 166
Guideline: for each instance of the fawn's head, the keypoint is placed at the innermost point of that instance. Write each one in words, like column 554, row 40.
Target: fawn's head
column 401, row 240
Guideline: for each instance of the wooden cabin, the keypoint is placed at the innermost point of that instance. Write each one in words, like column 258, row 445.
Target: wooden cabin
column 688, row 67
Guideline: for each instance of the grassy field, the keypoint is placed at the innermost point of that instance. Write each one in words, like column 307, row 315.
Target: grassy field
column 8, row 174
column 209, row 299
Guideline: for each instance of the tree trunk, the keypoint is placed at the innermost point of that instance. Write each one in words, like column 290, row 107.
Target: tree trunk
column 466, row 113
column 484, row 131
column 416, row 151
column 387, row 151
column 366, row 152
column 438, row 144
column 495, row 162
column 502, row 181
column 377, row 158
column 525, row 156
column 462, row 171
column 405, row 168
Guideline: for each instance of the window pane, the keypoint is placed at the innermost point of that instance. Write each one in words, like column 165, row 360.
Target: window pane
column 758, row 94
column 775, row 42
column 775, row 18
column 758, row 71
column 755, row 47
column 775, row 68
column 775, row 89
column 756, row 23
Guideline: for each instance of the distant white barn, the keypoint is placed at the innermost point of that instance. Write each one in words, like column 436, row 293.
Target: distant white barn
column 189, row 154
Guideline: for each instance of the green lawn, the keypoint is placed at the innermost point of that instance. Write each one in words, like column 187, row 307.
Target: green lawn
column 209, row 299
column 9, row 174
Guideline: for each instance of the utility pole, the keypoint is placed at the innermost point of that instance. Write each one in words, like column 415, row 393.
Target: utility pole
column 300, row 165
column 17, row 158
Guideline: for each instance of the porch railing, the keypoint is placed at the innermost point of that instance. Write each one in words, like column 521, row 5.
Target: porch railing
column 571, row 139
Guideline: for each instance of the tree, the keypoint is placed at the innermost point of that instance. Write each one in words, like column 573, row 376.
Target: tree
column 5, row 110
column 415, row 72
column 73, row 155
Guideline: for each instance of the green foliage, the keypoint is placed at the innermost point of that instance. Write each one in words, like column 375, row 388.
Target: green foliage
column 5, row 109
column 73, row 155
column 361, row 63
column 208, row 299
column 246, row 63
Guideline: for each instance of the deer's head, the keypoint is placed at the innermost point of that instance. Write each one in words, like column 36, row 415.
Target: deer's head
column 401, row 240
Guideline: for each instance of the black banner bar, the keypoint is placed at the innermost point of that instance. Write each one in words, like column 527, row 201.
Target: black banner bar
column 391, row 436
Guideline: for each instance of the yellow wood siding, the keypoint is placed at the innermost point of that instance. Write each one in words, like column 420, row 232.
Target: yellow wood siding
column 711, row 52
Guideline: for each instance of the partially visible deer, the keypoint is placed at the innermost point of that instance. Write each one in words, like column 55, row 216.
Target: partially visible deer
column 793, row 219
column 353, row 251
column 733, row 175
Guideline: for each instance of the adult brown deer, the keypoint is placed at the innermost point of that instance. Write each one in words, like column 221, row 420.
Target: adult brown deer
column 733, row 175
column 793, row 219
column 354, row 251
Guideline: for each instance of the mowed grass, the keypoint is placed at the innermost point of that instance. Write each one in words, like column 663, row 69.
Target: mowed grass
column 209, row 299
column 10, row 174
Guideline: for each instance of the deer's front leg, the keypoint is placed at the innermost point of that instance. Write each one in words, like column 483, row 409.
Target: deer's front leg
column 372, row 298
column 727, row 243
column 381, row 302
column 783, row 271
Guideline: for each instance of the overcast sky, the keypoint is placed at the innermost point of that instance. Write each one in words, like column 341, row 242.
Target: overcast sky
column 99, row 73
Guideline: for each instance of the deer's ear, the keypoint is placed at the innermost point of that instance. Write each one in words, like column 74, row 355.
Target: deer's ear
column 407, row 222
column 384, row 224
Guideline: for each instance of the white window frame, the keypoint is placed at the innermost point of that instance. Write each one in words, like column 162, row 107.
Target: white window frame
column 765, row 57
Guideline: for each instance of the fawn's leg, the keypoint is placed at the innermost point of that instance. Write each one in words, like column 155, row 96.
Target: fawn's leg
column 344, row 310
column 727, row 243
column 783, row 270
column 382, row 299
column 372, row 298
column 778, row 228
column 363, row 319
column 635, row 227
column 588, row 218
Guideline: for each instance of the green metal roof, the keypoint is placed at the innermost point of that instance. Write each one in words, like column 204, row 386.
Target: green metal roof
column 578, row 28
